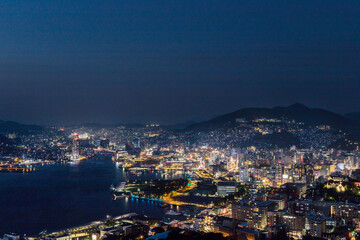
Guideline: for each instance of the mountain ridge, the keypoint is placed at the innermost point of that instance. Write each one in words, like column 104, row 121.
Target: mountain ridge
column 7, row 127
column 297, row 112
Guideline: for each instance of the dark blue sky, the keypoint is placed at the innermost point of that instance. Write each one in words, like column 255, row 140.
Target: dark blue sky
column 172, row 61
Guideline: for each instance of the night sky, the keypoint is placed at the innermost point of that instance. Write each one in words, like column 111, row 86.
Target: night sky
column 172, row 61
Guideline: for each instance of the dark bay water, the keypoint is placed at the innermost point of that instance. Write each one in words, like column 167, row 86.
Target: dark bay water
column 59, row 196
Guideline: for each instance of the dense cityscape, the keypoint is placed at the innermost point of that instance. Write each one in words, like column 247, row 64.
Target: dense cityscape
column 260, row 178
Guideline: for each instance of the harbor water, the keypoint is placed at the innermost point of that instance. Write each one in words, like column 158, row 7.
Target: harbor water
column 60, row 196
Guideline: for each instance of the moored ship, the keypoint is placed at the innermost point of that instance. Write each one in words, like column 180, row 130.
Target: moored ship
column 119, row 191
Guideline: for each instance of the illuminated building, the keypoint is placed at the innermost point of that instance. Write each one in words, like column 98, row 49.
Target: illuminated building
column 226, row 188
column 75, row 153
column 244, row 174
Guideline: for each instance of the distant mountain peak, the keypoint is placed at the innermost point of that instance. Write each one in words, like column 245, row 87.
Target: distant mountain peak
column 298, row 106
column 296, row 111
column 14, row 127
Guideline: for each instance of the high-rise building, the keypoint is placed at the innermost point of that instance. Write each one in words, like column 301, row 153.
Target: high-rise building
column 279, row 171
column 244, row 174
column 75, row 151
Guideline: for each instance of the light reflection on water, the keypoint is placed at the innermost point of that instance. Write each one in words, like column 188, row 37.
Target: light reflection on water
column 59, row 196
